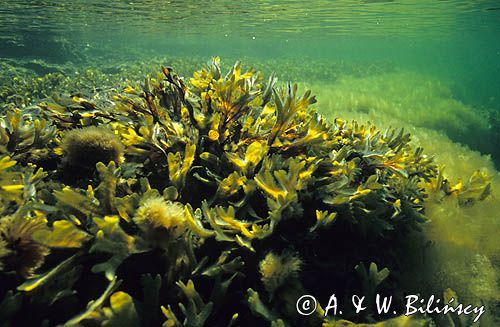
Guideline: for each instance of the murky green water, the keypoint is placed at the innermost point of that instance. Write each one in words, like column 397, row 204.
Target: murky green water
column 430, row 67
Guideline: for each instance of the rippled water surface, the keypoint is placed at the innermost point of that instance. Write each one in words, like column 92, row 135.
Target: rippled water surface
column 254, row 18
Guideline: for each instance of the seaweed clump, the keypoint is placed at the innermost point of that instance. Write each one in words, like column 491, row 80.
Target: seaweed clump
column 217, row 201
column 83, row 148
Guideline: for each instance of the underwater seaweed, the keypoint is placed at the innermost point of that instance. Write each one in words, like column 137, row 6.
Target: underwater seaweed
column 461, row 229
column 213, row 201
column 83, row 148
column 24, row 254
column 413, row 99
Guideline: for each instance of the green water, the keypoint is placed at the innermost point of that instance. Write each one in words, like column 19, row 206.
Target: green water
column 430, row 67
column 455, row 41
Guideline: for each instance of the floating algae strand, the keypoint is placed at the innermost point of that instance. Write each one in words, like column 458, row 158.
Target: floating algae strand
column 220, row 199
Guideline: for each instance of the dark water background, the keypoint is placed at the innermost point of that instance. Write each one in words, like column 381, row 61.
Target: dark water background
column 457, row 41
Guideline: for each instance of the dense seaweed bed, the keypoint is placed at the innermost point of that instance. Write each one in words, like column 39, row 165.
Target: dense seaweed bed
column 218, row 200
